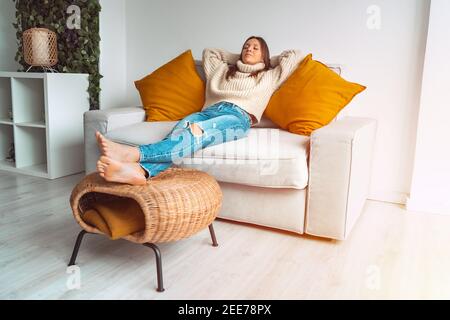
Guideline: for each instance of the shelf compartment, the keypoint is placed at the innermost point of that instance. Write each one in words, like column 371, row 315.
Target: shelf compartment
column 31, row 152
column 28, row 100
column 6, row 121
column 35, row 124
column 5, row 165
column 5, row 100
column 7, row 134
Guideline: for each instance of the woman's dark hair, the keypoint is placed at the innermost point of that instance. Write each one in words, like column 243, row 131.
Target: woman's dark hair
column 265, row 55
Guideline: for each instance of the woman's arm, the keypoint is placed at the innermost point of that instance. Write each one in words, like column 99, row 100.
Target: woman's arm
column 213, row 58
column 274, row 61
column 284, row 65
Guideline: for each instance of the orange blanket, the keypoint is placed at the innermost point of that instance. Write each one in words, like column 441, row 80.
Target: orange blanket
column 116, row 218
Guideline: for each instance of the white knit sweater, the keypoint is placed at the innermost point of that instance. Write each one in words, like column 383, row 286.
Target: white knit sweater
column 250, row 93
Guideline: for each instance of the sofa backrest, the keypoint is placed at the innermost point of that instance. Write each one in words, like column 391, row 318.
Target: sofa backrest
column 265, row 122
column 199, row 66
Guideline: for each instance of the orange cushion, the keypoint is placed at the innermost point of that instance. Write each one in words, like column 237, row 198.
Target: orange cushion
column 173, row 91
column 310, row 98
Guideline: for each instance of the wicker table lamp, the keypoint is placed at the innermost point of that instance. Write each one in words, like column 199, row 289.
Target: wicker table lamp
column 40, row 48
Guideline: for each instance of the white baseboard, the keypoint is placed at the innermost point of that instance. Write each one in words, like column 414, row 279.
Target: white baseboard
column 388, row 196
column 427, row 204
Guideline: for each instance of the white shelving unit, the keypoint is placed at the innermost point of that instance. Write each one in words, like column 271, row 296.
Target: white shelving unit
column 42, row 115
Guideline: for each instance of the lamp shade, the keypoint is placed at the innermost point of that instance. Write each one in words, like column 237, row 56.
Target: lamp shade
column 40, row 47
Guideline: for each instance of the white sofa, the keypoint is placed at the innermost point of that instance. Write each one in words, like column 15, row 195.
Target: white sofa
column 316, row 185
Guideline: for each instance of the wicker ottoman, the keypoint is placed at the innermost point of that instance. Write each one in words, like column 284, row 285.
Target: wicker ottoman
column 176, row 204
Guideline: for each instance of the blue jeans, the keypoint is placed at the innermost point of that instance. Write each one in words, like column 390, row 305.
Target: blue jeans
column 221, row 122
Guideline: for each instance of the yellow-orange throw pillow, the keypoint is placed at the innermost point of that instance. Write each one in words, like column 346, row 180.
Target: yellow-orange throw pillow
column 310, row 98
column 173, row 91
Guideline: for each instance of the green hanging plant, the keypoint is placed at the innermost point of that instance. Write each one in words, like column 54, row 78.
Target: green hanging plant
column 78, row 48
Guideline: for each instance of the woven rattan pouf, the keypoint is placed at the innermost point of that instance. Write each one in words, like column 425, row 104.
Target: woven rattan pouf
column 176, row 204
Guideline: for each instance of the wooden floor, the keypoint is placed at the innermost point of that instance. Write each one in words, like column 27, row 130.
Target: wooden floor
column 390, row 254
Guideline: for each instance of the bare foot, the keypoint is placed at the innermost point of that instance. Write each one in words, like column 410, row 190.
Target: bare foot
column 117, row 151
column 101, row 167
column 123, row 172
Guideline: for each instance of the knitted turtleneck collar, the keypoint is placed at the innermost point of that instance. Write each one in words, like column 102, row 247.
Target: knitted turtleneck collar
column 249, row 68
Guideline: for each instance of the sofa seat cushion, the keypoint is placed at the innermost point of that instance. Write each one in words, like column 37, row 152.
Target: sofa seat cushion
column 267, row 157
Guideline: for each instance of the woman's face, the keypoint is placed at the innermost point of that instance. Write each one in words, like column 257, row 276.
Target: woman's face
column 251, row 52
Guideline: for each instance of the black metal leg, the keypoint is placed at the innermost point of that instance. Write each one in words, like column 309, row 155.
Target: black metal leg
column 77, row 247
column 213, row 235
column 150, row 245
column 158, row 265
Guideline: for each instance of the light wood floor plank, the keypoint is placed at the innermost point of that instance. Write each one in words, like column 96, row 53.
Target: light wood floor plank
column 390, row 254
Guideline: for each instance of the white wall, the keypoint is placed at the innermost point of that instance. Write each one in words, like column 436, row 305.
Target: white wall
column 8, row 46
column 430, row 188
column 388, row 61
column 112, row 54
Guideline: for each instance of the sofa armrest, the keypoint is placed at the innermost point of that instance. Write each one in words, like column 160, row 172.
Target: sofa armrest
column 104, row 121
column 340, row 164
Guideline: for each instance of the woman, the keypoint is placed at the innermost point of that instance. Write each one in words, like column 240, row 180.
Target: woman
column 238, row 88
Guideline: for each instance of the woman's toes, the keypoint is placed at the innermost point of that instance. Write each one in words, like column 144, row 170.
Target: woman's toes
column 105, row 160
column 99, row 138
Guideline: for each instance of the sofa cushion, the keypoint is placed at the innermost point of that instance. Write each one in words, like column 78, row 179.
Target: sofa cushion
column 267, row 157
column 310, row 98
column 173, row 91
column 265, row 123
